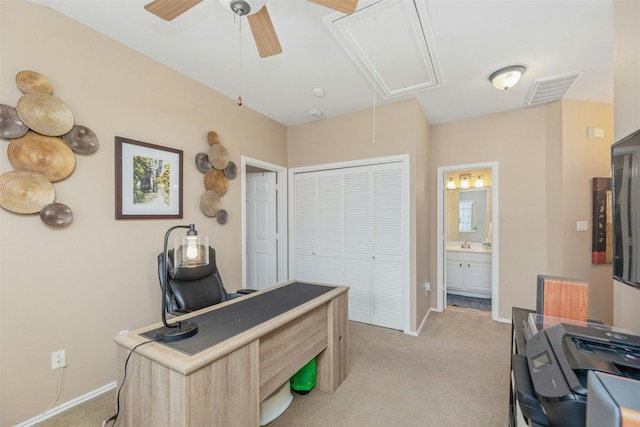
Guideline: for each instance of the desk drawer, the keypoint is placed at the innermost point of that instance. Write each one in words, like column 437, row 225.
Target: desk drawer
column 287, row 349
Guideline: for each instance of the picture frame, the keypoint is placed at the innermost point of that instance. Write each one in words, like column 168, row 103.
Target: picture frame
column 148, row 180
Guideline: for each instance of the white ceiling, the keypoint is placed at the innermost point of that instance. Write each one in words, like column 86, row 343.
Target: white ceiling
column 468, row 40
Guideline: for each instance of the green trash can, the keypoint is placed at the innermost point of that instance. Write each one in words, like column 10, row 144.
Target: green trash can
column 305, row 379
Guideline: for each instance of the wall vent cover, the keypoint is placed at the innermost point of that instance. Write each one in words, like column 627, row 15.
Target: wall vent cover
column 549, row 89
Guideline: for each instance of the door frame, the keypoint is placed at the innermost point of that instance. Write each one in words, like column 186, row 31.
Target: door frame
column 441, row 238
column 281, row 213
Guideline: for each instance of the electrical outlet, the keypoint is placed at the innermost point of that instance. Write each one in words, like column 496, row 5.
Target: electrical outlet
column 58, row 359
column 427, row 287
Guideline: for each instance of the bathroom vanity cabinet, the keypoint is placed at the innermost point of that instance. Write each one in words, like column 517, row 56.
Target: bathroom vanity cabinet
column 469, row 273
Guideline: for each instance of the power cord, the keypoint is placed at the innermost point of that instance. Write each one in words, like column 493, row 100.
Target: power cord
column 114, row 417
column 58, row 391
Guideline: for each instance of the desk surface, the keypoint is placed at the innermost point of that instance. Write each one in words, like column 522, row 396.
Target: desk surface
column 228, row 321
column 184, row 363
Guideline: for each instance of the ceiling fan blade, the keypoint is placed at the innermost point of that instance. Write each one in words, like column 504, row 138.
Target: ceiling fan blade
column 264, row 34
column 170, row 9
column 345, row 6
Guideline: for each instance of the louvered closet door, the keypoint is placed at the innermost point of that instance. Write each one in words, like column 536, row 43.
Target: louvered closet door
column 348, row 231
column 305, row 223
column 330, row 228
column 357, row 242
column 387, row 246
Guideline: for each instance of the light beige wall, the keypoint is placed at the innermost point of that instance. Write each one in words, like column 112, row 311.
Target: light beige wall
column 400, row 129
column 545, row 167
column 77, row 287
column 582, row 160
column 516, row 141
column 627, row 120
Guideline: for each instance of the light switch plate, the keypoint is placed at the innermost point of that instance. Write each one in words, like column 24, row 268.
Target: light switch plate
column 582, row 226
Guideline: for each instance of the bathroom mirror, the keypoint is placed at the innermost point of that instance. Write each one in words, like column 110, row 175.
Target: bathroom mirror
column 474, row 214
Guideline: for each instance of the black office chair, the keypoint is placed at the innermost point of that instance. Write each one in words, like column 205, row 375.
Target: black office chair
column 193, row 288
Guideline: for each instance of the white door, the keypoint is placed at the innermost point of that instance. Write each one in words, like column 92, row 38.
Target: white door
column 262, row 261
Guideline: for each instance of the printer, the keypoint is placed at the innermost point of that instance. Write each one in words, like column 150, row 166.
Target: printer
column 558, row 361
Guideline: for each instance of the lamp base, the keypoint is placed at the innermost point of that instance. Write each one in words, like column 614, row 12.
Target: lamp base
column 181, row 331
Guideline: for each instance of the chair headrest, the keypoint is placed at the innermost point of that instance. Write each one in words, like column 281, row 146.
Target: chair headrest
column 192, row 273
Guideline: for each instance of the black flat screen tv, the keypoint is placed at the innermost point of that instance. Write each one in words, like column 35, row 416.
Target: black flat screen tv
column 625, row 162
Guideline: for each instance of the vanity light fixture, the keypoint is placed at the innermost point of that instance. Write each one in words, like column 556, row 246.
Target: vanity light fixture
column 464, row 181
column 479, row 182
column 451, row 185
column 506, row 78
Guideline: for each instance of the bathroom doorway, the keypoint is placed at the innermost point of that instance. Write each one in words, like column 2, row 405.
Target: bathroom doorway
column 467, row 254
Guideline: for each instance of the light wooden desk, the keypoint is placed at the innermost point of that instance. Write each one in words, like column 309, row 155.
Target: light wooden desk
column 223, row 384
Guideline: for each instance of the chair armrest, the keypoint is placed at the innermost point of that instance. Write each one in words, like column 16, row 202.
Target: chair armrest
column 241, row 293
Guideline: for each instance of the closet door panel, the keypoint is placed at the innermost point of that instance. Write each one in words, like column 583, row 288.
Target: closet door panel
column 330, row 228
column 357, row 242
column 305, row 221
column 387, row 245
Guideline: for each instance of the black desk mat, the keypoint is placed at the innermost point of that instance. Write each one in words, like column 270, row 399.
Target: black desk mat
column 226, row 322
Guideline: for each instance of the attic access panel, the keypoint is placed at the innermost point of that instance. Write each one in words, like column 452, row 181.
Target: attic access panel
column 392, row 39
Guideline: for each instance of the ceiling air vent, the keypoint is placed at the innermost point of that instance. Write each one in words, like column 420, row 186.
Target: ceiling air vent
column 549, row 89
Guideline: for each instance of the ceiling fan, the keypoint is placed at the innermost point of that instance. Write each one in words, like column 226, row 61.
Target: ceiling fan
column 264, row 34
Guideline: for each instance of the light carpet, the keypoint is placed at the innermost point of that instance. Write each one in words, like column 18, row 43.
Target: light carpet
column 454, row 374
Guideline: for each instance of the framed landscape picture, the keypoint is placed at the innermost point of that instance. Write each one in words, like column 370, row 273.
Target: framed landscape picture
column 148, row 180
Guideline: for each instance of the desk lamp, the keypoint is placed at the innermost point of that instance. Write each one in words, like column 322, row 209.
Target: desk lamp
column 189, row 251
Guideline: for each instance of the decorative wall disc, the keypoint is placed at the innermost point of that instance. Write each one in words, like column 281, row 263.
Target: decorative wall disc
column 215, row 180
column 25, row 192
column 46, row 155
column 81, row 139
column 202, row 162
column 11, row 126
column 222, row 216
column 213, row 138
column 33, row 82
column 45, row 114
column 231, row 170
column 210, row 203
column 218, row 156
column 56, row 214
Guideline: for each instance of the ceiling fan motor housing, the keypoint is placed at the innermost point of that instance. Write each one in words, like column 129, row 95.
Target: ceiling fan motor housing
column 245, row 7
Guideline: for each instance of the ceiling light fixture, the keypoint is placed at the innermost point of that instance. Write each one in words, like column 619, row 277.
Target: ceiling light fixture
column 319, row 92
column 507, row 77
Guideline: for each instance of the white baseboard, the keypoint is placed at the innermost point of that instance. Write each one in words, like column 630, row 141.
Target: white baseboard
column 67, row 405
column 424, row 320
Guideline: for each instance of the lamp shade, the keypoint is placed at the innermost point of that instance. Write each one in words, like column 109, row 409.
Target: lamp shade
column 191, row 251
column 479, row 182
column 464, row 183
column 507, row 77
column 451, row 185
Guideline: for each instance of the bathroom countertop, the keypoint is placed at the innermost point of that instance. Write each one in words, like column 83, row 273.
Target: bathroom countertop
column 474, row 250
